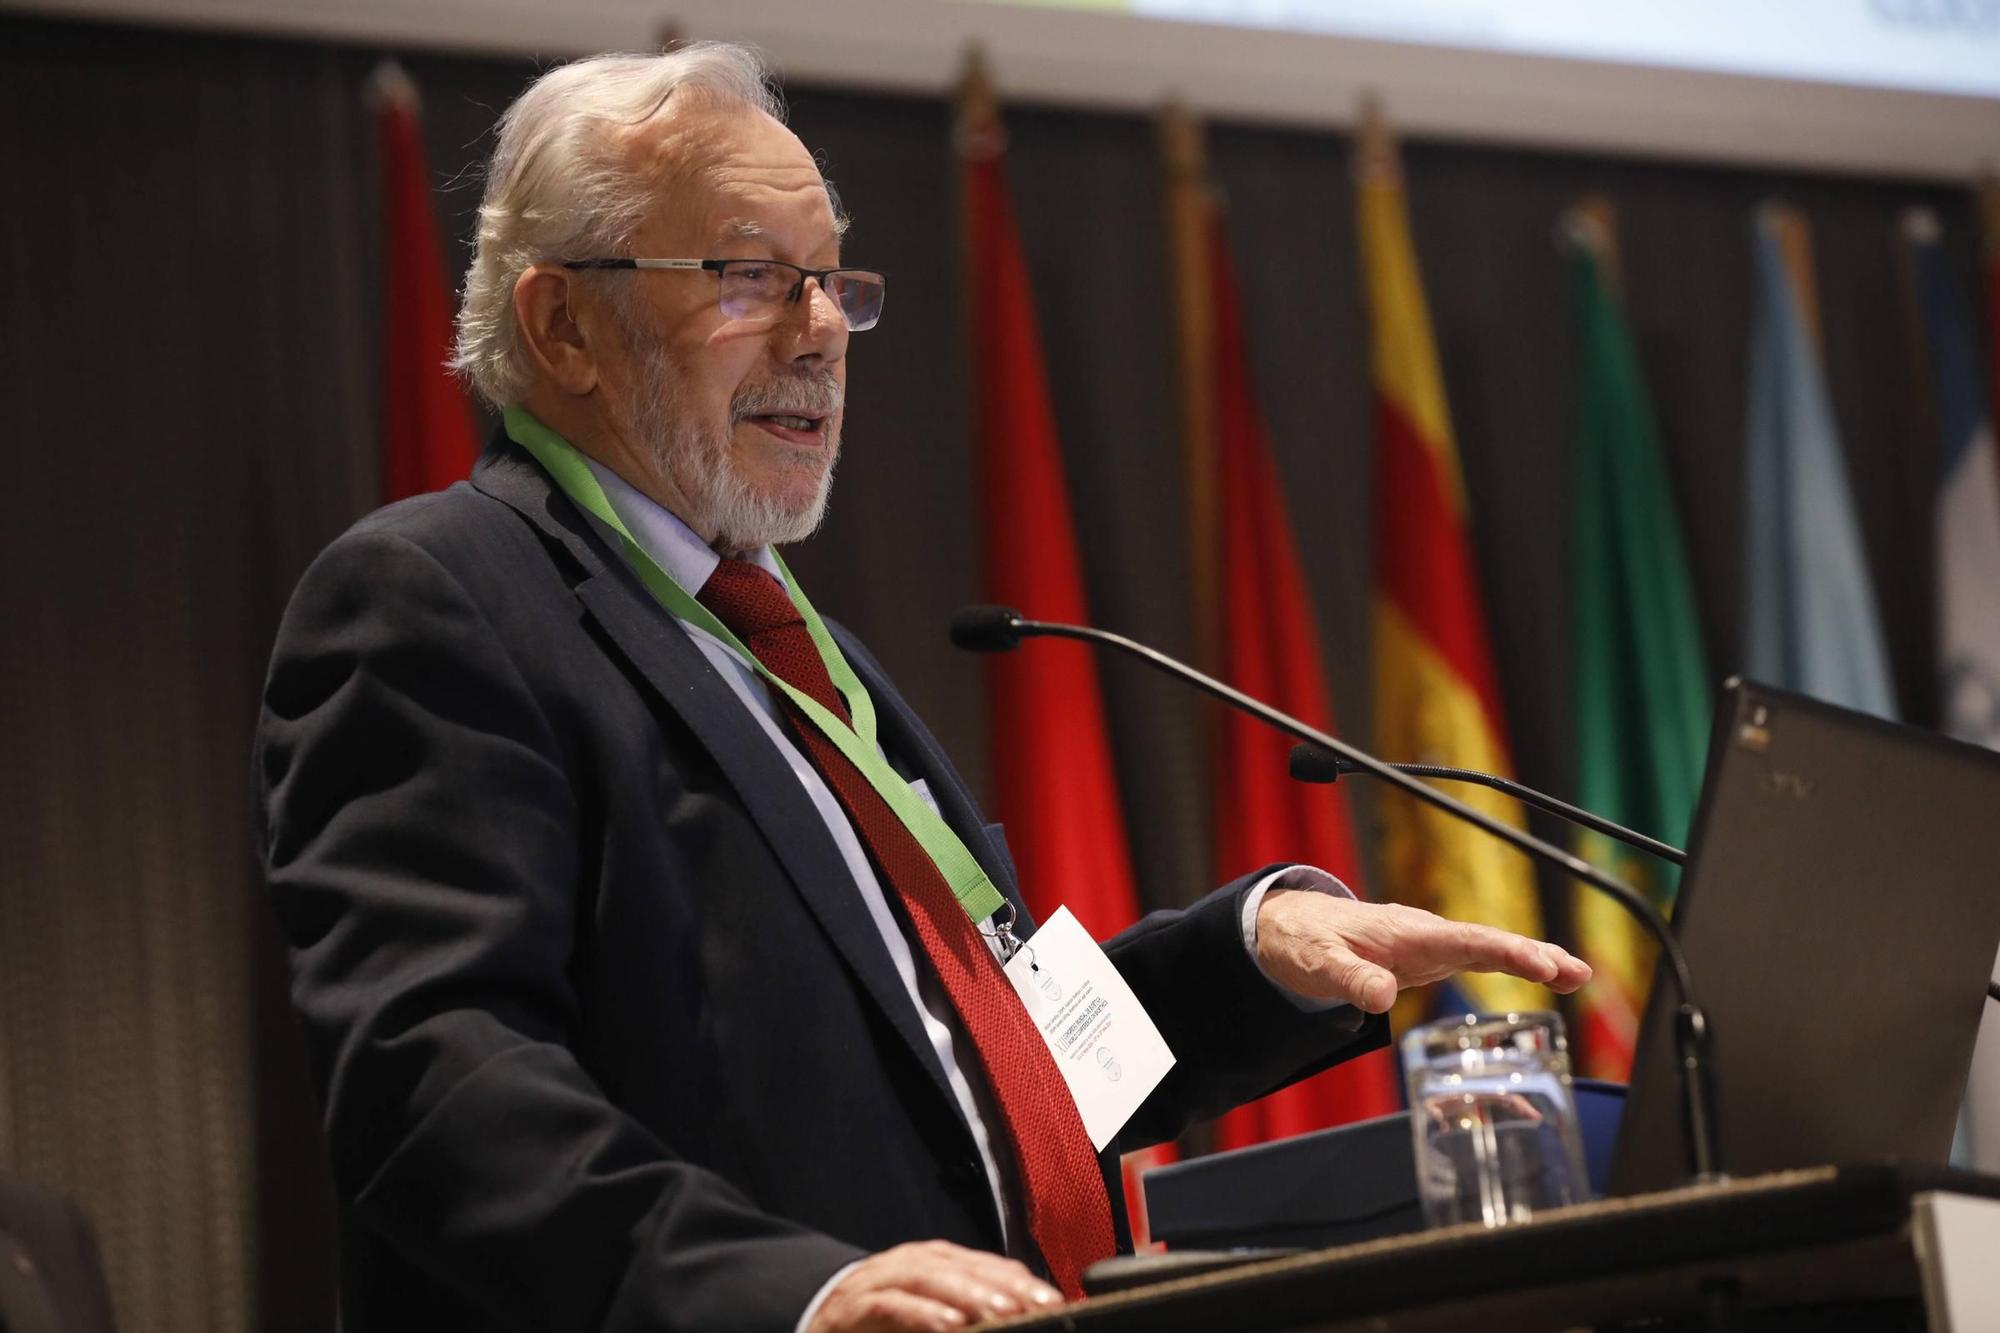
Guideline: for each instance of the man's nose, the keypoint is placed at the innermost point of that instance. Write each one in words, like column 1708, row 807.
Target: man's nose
column 814, row 328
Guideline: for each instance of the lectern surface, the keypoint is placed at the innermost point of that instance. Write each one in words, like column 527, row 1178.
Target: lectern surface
column 1826, row 1237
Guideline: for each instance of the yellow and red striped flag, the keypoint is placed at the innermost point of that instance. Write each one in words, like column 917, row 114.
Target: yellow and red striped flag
column 1436, row 693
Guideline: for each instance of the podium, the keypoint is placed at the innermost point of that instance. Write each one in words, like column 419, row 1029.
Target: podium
column 1876, row 1247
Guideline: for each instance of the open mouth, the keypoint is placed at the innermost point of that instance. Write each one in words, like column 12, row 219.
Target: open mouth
column 795, row 428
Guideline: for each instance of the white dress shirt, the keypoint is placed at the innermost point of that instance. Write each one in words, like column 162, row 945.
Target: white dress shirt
column 689, row 560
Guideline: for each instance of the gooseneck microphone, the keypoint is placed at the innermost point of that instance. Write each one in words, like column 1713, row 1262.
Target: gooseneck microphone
column 998, row 629
column 1312, row 764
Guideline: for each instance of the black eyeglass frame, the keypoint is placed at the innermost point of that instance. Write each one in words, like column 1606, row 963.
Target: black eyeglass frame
column 720, row 266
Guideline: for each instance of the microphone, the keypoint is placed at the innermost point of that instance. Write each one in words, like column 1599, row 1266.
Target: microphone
column 1000, row 628
column 986, row 629
column 1311, row 764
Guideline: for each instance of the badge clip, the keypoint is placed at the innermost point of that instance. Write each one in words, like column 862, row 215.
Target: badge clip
column 1003, row 934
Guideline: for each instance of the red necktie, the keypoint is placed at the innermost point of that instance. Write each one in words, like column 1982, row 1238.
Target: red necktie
column 1068, row 1211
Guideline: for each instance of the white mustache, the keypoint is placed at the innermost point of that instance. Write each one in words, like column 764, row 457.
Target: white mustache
column 813, row 394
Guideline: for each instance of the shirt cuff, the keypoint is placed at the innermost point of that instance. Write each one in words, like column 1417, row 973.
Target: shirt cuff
column 819, row 1298
column 1313, row 880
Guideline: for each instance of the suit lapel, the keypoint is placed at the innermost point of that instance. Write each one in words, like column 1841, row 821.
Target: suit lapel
column 663, row 653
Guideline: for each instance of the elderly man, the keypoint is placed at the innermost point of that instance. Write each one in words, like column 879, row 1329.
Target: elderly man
column 646, row 943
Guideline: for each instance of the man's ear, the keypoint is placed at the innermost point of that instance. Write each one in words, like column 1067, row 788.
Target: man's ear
column 555, row 339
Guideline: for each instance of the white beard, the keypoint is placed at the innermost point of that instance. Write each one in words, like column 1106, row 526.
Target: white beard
column 694, row 459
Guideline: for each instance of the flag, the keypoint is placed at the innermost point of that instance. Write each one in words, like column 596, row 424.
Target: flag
column 1809, row 617
column 1054, row 785
column 1270, row 650
column 1053, row 781
column 427, row 434
column 1968, row 563
column 1437, row 696
column 1639, row 679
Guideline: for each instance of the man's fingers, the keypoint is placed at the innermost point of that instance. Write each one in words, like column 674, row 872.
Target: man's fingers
column 1013, row 1277
column 1359, row 982
column 890, row 1311
column 1487, row 949
column 1571, row 972
column 983, row 1291
column 930, row 1285
column 1323, row 947
column 1009, row 1275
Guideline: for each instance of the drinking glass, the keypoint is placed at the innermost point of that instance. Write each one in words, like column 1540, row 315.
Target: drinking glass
column 1493, row 1117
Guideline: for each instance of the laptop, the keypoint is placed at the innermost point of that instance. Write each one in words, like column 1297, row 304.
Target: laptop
column 1840, row 911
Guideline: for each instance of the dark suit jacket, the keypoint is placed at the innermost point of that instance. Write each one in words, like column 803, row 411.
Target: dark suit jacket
column 605, row 1038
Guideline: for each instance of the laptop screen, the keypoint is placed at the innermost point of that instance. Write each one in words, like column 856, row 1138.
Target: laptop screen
column 1840, row 910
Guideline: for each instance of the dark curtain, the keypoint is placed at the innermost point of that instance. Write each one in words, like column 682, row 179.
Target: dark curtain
column 189, row 256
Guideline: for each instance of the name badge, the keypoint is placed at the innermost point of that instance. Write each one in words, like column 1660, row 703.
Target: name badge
column 1108, row 1050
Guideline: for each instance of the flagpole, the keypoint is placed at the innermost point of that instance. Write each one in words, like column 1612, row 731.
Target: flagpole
column 1794, row 235
column 1592, row 222
column 1916, row 227
column 976, row 134
column 1184, row 157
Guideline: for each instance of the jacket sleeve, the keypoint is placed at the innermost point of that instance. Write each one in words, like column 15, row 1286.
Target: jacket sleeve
column 1235, row 1035
column 420, row 835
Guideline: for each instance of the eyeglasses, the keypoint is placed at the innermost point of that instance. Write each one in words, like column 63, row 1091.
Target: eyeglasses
column 761, row 288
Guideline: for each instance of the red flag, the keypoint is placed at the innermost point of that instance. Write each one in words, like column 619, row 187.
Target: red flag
column 1270, row 649
column 427, row 435
column 1053, row 783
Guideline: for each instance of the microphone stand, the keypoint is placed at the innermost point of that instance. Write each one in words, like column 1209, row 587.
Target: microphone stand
column 998, row 629
column 1311, row 764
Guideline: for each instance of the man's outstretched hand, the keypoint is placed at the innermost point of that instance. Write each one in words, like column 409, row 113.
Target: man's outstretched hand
column 1326, row 947
column 930, row 1286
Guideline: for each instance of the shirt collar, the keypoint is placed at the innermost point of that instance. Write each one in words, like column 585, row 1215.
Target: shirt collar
column 660, row 533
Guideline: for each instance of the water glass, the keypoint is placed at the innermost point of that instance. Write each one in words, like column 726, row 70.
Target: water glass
column 1494, row 1118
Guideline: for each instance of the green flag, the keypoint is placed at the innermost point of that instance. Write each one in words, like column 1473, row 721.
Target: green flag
column 1639, row 678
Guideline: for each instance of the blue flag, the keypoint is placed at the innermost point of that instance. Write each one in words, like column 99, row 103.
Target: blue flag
column 1809, row 617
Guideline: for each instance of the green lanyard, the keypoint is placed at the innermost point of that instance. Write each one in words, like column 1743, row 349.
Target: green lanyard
column 969, row 884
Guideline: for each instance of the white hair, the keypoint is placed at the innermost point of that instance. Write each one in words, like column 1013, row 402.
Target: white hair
column 559, row 183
